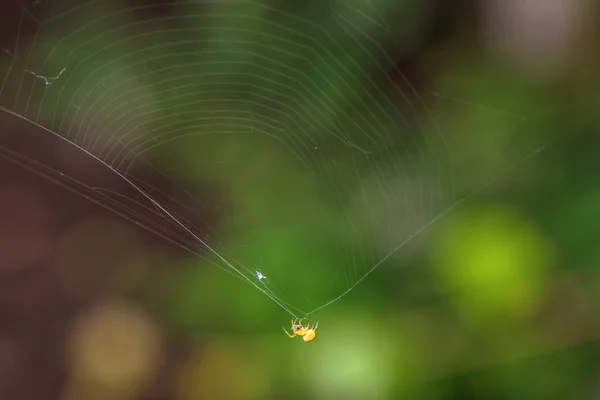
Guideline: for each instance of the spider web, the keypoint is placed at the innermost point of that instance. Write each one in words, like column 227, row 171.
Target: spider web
column 330, row 159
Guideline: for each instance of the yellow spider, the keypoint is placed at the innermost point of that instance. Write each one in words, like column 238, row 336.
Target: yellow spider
column 309, row 333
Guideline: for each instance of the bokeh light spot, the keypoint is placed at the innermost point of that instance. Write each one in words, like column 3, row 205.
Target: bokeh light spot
column 114, row 346
column 492, row 263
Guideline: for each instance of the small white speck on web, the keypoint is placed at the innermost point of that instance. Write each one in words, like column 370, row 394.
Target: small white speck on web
column 47, row 81
column 260, row 276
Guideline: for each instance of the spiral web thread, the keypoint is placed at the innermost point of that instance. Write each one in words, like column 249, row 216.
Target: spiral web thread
column 315, row 86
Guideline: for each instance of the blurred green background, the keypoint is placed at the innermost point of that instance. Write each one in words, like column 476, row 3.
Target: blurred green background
column 418, row 177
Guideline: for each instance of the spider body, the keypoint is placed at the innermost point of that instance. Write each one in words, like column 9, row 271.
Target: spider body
column 307, row 332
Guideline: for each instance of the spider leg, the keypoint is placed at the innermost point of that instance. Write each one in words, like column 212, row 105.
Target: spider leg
column 287, row 333
column 315, row 328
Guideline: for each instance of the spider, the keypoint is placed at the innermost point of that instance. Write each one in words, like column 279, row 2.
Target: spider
column 309, row 333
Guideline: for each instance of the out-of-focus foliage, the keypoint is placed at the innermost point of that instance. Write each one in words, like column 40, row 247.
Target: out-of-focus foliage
column 493, row 264
column 494, row 293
